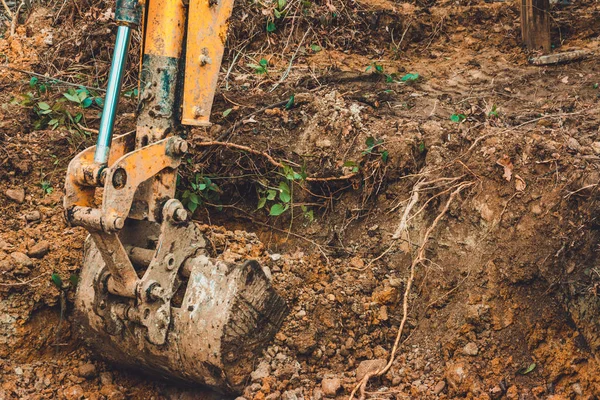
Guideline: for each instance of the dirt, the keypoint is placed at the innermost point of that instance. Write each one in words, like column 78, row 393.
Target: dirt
column 504, row 302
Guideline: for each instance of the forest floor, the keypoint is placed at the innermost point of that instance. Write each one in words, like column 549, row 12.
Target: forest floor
column 461, row 192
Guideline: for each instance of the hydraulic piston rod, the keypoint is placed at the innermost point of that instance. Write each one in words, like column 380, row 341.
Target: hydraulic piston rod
column 127, row 15
column 113, row 90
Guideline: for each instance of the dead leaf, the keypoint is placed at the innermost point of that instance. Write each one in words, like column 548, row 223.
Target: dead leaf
column 508, row 167
column 520, row 184
column 565, row 80
column 250, row 120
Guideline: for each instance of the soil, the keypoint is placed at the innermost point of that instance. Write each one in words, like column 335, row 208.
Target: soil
column 504, row 301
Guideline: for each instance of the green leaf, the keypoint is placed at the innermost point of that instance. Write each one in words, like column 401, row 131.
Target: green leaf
column 82, row 94
column 202, row 186
column 277, row 209
column 370, row 142
column 315, row 47
column 87, row 102
column 227, row 112
column 284, row 192
column 526, row 370
column 277, row 13
column 290, row 102
column 194, row 198
column 57, row 280
column 384, row 156
column 378, row 68
column 192, row 206
column 368, row 68
column 264, row 63
column 78, row 117
column 33, row 81
column 457, row 117
column 99, row 101
column 421, row 147
column 271, row 194
column 43, row 88
column 72, row 97
column 410, row 77
column 43, row 106
column 281, row 4
column 74, row 279
column 271, row 26
column 261, row 203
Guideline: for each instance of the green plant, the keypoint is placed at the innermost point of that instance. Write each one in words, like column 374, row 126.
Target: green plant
column 261, row 67
column 202, row 190
column 458, row 118
column 410, row 78
column 493, row 112
column 46, row 187
column 279, row 199
column 373, row 147
column 378, row 69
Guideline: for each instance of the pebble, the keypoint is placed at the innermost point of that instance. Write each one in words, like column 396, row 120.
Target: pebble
column 369, row 366
column 33, row 216
column 470, row 349
column 455, row 374
column 16, row 195
column 596, row 147
column 275, row 256
column 74, row 392
column 330, row 386
column 39, row 250
column 22, row 259
column 262, row 371
column 106, row 378
column 87, row 370
column 331, row 297
column 439, row 387
column 19, row 371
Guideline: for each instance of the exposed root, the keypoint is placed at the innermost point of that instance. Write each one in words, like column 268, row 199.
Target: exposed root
column 361, row 386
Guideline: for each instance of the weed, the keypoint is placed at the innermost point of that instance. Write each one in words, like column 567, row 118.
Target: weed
column 458, row 118
column 202, row 190
column 46, row 187
column 373, row 147
column 408, row 78
column 280, row 199
column 261, row 67
column 494, row 112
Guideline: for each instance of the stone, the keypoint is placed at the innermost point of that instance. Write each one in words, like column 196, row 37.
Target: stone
column 496, row 392
column 21, row 259
column 292, row 395
column 39, row 250
column 16, row 195
column 18, row 371
column 274, row 396
column 74, row 392
column 111, row 392
column 596, row 147
column 330, row 386
column 87, row 371
column 455, row 375
column 573, row 144
column 470, row 349
column 262, row 371
column 369, row 366
column 275, row 256
column 33, row 216
column 439, row 387
column 106, row 378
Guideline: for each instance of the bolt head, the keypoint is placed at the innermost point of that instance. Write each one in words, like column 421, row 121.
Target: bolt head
column 181, row 215
column 119, row 223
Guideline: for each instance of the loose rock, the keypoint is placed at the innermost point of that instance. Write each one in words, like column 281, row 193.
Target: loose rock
column 73, row 393
column 33, row 216
column 39, row 250
column 87, row 370
column 455, row 375
column 21, row 259
column 262, row 371
column 368, row 367
column 439, row 387
column 330, row 386
column 16, row 195
column 470, row 349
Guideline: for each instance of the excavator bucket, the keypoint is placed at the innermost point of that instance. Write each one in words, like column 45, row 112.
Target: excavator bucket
column 222, row 315
column 150, row 295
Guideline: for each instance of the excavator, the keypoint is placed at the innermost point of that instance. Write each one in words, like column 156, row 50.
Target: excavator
column 150, row 294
